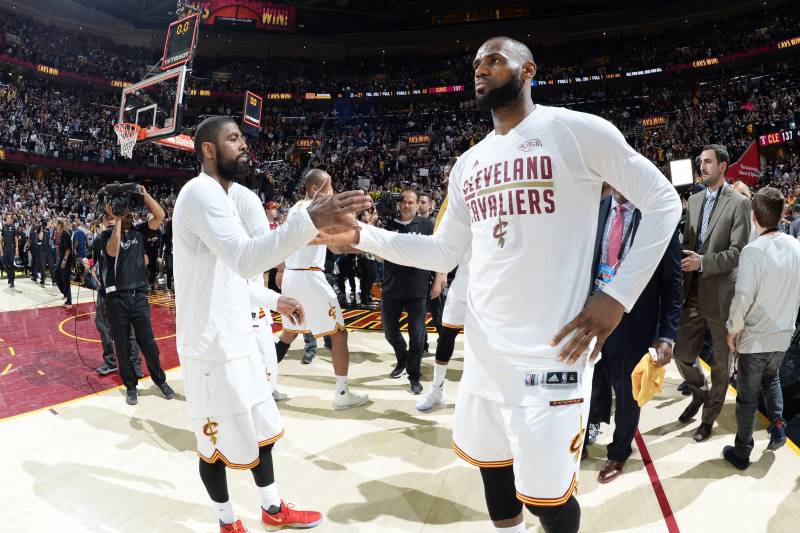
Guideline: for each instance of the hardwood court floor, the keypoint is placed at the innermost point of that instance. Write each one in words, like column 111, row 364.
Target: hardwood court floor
column 97, row 464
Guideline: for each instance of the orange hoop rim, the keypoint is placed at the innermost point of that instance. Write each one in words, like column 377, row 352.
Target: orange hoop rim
column 122, row 129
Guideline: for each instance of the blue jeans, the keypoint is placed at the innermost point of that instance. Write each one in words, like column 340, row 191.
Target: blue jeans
column 311, row 343
column 758, row 374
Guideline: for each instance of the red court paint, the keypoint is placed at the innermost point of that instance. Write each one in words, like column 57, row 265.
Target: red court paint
column 661, row 496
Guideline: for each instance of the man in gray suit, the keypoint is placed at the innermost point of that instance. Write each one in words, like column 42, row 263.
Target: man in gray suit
column 716, row 229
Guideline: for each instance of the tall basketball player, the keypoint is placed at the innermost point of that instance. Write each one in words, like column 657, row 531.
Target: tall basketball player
column 526, row 199
column 235, row 418
column 304, row 280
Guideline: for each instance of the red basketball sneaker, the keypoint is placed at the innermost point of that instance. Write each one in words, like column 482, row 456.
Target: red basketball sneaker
column 236, row 527
column 289, row 517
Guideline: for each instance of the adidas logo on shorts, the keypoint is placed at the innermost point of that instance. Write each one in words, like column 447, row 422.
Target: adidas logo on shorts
column 552, row 379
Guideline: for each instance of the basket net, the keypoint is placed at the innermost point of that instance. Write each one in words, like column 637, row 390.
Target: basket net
column 127, row 135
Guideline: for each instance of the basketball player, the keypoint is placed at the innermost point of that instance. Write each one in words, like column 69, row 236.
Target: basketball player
column 525, row 198
column 235, row 418
column 262, row 299
column 304, row 280
column 455, row 306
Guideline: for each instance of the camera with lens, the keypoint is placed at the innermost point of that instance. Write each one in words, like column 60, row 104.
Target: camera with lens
column 386, row 206
column 122, row 197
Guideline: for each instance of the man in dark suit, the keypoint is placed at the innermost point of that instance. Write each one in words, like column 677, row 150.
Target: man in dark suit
column 716, row 229
column 653, row 321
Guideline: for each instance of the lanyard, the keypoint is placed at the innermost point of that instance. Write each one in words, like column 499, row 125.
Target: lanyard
column 773, row 229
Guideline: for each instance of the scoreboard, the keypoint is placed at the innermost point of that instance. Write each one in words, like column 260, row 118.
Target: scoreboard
column 252, row 109
column 778, row 137
column 181, row 38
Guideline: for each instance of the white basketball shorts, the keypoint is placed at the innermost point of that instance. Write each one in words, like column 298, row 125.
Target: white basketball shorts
column 262, row 327
column 543, row 443
column 311, row 289
column 235, row 439
column 455, row 306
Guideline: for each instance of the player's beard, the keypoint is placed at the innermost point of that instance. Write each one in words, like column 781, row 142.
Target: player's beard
column 501, row 96
column 234, row 169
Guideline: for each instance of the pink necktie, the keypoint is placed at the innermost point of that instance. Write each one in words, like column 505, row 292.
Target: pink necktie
column 615, row 236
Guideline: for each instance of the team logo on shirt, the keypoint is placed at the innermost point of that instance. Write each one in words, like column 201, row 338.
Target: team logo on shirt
column 499, row 232
column 530, row 145
column 210, row 431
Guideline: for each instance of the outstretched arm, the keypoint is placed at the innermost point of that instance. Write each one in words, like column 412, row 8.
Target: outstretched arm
column 439, row 252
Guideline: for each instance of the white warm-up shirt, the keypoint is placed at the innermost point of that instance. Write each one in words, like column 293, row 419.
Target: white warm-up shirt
column 214, row 257
column 767, row 296
column 527, row 202
column 311, row 256
column 255, row 221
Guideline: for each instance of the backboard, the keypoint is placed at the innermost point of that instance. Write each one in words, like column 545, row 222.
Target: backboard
column 155, row 104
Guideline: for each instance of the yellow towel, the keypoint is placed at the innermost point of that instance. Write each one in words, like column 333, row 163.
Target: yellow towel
column 647, row 378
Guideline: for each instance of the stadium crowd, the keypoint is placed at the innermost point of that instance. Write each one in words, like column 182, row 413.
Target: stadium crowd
column 79, row 51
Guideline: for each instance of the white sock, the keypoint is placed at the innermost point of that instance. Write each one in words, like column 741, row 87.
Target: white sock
column 224, row 511
column 438, row 375
column 269, row 496
column 519, row 528
column 341, row 384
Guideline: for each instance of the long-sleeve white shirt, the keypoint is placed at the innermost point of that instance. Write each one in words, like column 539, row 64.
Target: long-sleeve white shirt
column 527, row 202
column 255, row 221
column 767, row 294
column 214, row 257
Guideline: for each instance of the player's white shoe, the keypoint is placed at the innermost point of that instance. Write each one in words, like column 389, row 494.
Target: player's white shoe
column 435, row 396
column 278, row 396
column 349, row 400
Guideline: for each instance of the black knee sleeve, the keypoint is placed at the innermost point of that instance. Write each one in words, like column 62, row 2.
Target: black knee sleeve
column 215, row 480
column 445, row 344
column 501, row 495
column 263, row 472
column 564, row 518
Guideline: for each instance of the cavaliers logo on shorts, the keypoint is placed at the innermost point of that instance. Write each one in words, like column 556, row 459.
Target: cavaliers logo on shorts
column 210, row 431
column 576, row 443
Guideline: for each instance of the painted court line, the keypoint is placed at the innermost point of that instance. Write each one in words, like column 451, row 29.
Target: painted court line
column 655, row 481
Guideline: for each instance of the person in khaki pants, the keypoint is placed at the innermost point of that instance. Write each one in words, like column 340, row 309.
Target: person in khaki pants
column 716, row 229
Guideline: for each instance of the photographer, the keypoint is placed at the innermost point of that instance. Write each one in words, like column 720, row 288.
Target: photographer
column 101, row 310
column 126, row 282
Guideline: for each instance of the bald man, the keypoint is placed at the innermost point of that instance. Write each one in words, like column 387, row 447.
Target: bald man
column 304, row 280
column 531, row 335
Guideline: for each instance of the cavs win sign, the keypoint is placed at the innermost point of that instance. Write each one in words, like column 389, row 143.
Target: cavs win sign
column 247, row 14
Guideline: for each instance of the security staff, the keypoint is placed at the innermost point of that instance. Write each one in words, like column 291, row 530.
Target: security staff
column 126, row 282
column 10, row 238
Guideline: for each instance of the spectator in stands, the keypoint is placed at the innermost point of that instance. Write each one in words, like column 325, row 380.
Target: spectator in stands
column 794, row 227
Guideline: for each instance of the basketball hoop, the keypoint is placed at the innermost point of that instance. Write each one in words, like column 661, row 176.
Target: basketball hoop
column 127, row 135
